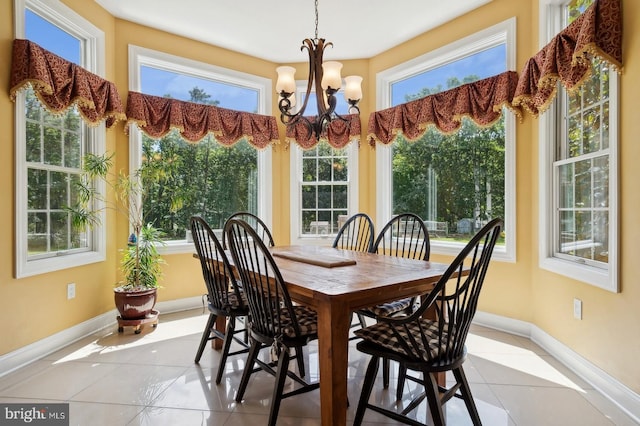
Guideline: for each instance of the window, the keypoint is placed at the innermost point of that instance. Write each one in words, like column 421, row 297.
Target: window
column 455, row 182
column 49, row 148
column 323, row 184
column 203, row 178
column 579, row 158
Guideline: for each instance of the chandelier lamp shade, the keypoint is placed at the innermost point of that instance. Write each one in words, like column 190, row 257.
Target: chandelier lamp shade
column 325, row 79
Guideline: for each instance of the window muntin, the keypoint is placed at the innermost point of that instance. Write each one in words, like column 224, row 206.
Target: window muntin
column 579, row 202
column 49, row 148
column 203, row 178
column 424, row 176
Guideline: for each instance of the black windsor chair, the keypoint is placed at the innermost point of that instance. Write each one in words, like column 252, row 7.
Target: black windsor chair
column 407, row 236
column 356, row 234
column 432, row 346
column 257, row 224
column 224, row 298
column 275, row 320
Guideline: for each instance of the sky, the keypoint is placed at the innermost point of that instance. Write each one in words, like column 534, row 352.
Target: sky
column 160, row 82
column 484, row 64
column 52, row 38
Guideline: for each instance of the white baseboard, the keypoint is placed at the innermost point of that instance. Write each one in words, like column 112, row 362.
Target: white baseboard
column 38, row 350
column 618, row 393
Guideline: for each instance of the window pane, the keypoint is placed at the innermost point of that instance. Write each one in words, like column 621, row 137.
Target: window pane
column 52, row 146
column 591, row 128
column 566, row 186
column 340, row 170
column 184, row 179
column 601, row 236
column 58, row 190
column 309, row 196
column 324, row 169
column 455, row 179
column 601, row 182
column 340, row 196
column 605, row 125
column 307, row 218
column 72, row 150
column 52, row 38
column 309, row 170
column 37, row 233
column 33, row 151
column 37, row 189
column 324, row 197
column 59, row 231
column 166, row 83
column 583, row 184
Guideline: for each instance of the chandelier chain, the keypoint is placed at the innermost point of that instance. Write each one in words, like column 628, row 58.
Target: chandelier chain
column 316, row 5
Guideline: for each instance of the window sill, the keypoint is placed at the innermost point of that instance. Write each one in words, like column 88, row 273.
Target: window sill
column 588, row 274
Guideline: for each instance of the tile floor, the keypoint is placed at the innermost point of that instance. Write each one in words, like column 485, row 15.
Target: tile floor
column 150, row 379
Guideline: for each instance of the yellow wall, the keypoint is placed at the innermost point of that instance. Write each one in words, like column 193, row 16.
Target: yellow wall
column 36, row 307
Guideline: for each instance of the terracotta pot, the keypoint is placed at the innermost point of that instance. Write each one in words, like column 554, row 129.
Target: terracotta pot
column 135, row 304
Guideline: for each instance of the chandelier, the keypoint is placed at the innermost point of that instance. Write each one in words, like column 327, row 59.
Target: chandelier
column 327, row 80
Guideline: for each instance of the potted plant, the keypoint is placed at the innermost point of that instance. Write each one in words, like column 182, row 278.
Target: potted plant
column 141, row 262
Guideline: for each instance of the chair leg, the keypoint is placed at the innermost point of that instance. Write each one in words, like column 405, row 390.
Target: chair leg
column 226, row 344
column 300, row 359
column 385, row 373
column 248, row 369
column 367, row 387
column 362, row 319
column 433, row 398
column 205, row 337
column 465, row 390
column 402, row 376
column 281, row 375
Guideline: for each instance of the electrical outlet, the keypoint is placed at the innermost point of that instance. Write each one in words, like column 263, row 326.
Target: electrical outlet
column 71, row 291
column 577, row 309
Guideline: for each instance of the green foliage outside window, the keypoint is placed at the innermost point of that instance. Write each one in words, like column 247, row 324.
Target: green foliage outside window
column 457, row 179
column 204, row 179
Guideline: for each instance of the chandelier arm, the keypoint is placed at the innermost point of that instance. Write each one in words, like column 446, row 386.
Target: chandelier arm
column 318, row 73
column 325, row 99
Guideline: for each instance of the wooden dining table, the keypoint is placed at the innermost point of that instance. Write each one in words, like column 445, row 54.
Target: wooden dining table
column 336, row 283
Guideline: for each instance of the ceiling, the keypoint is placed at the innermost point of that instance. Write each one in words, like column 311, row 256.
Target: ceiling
column 274, row 30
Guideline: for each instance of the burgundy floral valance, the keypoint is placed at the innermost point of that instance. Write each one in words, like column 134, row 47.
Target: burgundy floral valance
column 597, row 32
column 157, row 116
column 60, row 84
column 339, row 133
column 481, row 101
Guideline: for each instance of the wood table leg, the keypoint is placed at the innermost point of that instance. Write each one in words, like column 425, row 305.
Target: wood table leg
column 333, row 353
column 221, row 324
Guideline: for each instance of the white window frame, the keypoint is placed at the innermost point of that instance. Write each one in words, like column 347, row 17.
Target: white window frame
column 295, row 162
column 551, row 23
column 140, row 56
column 93, row 59
column 504, row 32
column 296, row 194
